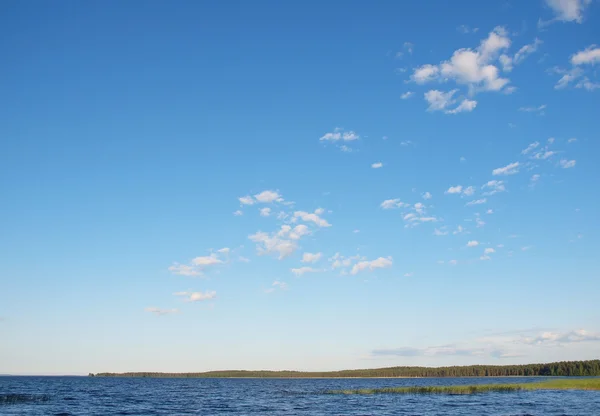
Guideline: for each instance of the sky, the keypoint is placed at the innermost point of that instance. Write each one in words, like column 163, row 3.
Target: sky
column 298, row 185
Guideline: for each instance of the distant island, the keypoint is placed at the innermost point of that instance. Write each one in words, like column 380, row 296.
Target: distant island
column 558, row 369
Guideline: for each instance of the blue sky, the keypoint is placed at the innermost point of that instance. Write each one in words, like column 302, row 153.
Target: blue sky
column 298, row 185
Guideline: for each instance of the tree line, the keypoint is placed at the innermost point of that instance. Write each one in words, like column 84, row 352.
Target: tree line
column 563, row 368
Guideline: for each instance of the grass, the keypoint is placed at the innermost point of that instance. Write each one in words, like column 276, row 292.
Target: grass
column 558, row 384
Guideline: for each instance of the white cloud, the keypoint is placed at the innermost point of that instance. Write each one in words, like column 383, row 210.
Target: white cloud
column 238, row 213
column 590, row 55
column 489, row 250
column 339, row 134
column 405, row 143
column 453, row 262
column 509, row 169
column 567, row 10
column 572, row 140
column 409, row 47
column 493, row 187
column 539, row 109
column 246, row 200
column 470, row 67
column 407, row 95
column 534, row 179
column 197, row 296
column 473, row 243
column 425, row 73
column 476, row 202
column 564, row 163
column 265, row 212
column 205, row 261
column 409, row 274
column 580, row 335
column 282, row 243
column 464, row 106
column 302, row 270
column 277, row 285
column 243, row 259
column 480, row 223
column 439, row 232
column 454, row 189
column 311, row 257
column 463, row 159
column 526, row 51
column 427, row 195
column 464, row 29
column 544, row 154
column 314, row 218
column 459, row 230
column 489, row 211
column 485, row 257
column 268, row 196
column 161, row 312
column 377, row 165
column 469, row 191
column 526, row 248
column 224, row 250
column 393, row 203
column 529, row 148
column 379, row 263
column 551, row 140
column 184, row 270
column 440, row 101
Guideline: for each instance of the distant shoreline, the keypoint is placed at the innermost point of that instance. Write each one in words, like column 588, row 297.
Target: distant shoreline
column 556, row 369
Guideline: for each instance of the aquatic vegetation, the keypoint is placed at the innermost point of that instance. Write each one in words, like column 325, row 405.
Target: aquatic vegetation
column 559, row 384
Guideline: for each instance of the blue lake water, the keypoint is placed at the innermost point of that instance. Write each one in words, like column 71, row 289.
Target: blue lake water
column 143, row 396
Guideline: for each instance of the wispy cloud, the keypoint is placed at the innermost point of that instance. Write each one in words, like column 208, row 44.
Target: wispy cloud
column 161, row 312
column 197, row 296
column 379, row 263
column 509, row 169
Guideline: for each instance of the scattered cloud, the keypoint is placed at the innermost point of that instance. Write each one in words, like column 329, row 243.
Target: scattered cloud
column 161, row 312
column 572, row 140
column 427, row 195
column 302, row 270
column 281, row 243
column 246, row 200
column 489, row 250
column 539, row 109
column 314, row 217
column 473, row 243
column 580, row 65
column 268, row 196
column 265, row 212
column 464, row 29
column 379, row 263
column 558, row 338
column 489, row 211
column 565, row 164
column 410, row 274
column 509, row 169
column 469, row 191
column 377, row 165
column 493, row 187
column 407, row 95
column 530, row 148
column 393, row 203
column 476, row 202
column 441, row 101
column 440, row 232
column 470, row 67
column 311, row 257
column 454, row 189
column 197, row 296
column 238, row 213
column 277, row 285
column 566, row 11
column 340, row 134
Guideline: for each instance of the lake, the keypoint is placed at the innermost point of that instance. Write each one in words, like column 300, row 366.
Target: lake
column 145, row 396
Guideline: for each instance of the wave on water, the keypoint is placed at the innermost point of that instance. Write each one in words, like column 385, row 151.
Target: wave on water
column 23, row 398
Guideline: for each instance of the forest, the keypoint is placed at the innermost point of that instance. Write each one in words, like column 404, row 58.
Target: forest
column 563, row 368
